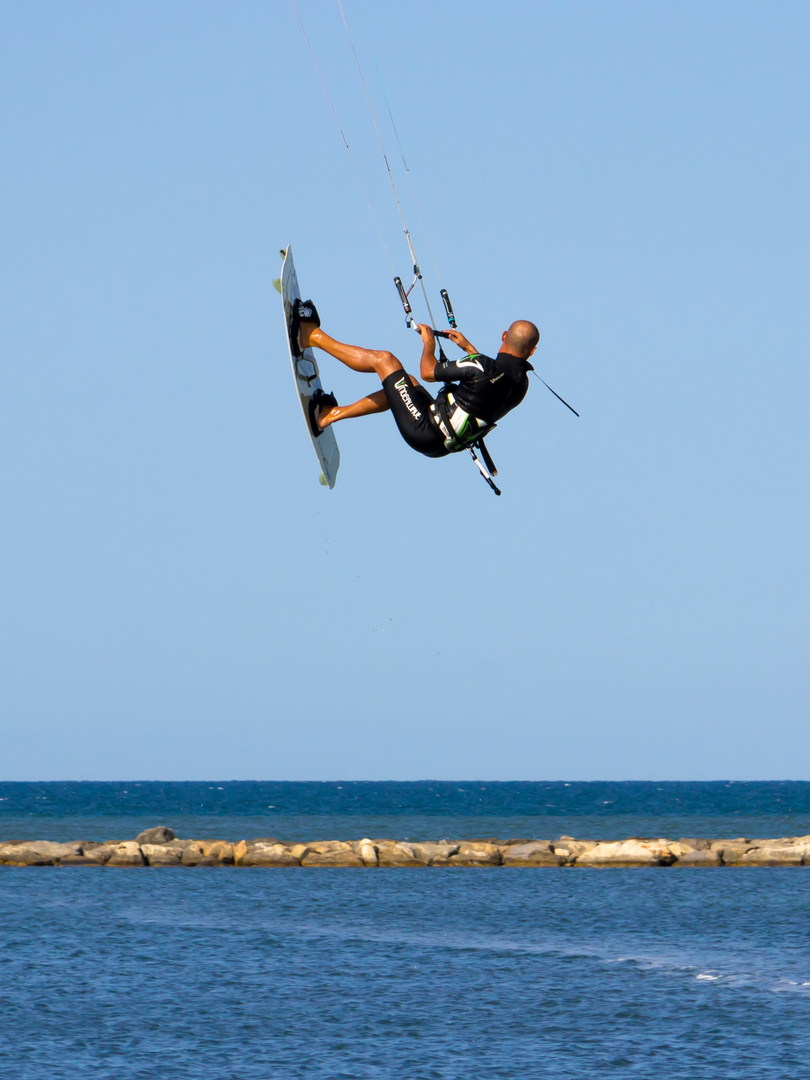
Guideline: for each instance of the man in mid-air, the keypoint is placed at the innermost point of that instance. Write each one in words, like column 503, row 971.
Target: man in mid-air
column 478, row 390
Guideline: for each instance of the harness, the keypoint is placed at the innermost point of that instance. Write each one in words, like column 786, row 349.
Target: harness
column 459, row 428
column 463, row 431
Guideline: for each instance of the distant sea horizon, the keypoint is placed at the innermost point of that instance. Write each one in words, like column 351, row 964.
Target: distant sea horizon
column 403, row 809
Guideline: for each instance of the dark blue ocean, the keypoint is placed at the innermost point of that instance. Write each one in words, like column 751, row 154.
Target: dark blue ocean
column 425, row 810
column 458, row 974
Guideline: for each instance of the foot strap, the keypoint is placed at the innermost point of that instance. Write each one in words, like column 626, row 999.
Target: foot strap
column 319, row 400
column 302, row 311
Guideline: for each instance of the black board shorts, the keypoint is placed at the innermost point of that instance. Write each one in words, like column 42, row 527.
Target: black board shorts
column 411, row 408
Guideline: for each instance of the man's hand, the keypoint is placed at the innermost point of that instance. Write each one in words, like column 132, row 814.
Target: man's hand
column 426, row 331
column 458, row 338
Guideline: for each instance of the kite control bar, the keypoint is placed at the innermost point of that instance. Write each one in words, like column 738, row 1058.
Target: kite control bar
column 436, row 333
column 406, row 304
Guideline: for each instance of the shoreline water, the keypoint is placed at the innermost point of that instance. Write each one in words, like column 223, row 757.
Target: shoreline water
column 160, row 847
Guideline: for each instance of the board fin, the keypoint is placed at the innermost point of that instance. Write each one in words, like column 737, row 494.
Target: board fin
column 277, row 284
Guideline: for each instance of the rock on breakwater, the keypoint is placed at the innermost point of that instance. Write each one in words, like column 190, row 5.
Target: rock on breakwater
column 161, row 848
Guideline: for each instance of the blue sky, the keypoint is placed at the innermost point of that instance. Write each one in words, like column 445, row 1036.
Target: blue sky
column 180, row 597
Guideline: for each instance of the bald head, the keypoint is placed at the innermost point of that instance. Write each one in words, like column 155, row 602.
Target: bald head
column 521, row 339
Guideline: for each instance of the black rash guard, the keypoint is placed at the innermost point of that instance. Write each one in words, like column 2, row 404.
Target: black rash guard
column 480, row 391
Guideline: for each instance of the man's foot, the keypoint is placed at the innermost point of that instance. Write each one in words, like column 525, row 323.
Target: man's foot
column 304, row 320
column 319, row 405
column 306, row 311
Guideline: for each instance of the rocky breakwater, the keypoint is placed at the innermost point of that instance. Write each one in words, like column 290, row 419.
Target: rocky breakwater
column 160, row 847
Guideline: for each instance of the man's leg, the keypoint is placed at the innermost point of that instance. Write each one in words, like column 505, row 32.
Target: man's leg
column 374, row 403
column 358, row 359
column 368, row 360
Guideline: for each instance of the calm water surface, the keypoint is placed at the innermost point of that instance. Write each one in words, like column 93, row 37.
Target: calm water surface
column 256, row 974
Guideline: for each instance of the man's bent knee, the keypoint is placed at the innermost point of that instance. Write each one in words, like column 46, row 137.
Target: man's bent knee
column 385, row 363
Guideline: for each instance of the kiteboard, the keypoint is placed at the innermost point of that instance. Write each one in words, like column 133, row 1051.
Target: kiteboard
column 306, row 374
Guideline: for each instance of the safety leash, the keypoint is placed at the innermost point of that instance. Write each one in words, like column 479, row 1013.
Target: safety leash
column 556, row 395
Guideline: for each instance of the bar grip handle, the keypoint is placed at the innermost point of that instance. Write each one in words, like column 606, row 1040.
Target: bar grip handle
column 402, row 295
column 448, row 307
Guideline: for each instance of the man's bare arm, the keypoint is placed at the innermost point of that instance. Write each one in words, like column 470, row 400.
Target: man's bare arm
column 458, row 339
column 427, row 365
